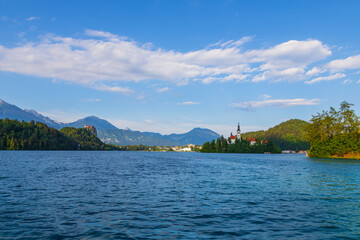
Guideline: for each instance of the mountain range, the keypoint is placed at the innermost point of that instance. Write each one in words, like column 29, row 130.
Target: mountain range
column 108, row 133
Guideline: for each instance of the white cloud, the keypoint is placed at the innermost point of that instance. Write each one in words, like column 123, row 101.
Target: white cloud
column 352, row 62
column 326, row 78
column 288, row 61
column 347, row 81
column 32, row 18
column 231, row 43
column 104, row 56
column 252, row 105
column 209, row 80
column 4, row 18
column 94, row 33
column 189, row 103
column 314, row 71
column 164, row 89
column 237, row 77
column 105, row 88
column 265, row 96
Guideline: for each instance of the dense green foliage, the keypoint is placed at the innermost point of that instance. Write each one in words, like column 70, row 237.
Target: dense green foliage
column 222, row 145
column 16, row 135
column 84, row 137
column 148, row 148
column 289, row 135
column 334, row 133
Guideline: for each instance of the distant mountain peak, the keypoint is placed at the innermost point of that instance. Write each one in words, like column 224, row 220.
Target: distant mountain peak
column 92, row 116
column 98, row 123
column 13, row 112
column 33, row 112
column 2, row 102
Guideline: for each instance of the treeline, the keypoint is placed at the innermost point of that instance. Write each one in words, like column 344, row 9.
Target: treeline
column 289, row 135
column 148, row 148
column 16, row 135
column 334, row 133
column 84, row 137
column 222, row 145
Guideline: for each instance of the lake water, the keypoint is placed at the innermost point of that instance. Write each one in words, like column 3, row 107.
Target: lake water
column 139, row 195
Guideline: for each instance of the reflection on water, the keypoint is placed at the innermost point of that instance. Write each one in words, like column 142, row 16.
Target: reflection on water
column 177, row 196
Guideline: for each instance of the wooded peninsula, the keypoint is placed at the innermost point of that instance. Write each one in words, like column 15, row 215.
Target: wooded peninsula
column 16, row 135
column 334, row 133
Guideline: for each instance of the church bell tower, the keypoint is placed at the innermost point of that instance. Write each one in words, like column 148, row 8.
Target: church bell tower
column 238, row 134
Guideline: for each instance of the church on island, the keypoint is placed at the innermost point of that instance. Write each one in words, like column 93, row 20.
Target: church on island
column 238, row 136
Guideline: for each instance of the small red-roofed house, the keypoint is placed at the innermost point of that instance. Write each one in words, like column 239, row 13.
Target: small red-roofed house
column 232, row 139
column 252, row 141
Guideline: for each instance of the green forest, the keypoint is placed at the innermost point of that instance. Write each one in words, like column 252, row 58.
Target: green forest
column 221, row 145
column 334, row 133
column 289, row 135
column 16, row 135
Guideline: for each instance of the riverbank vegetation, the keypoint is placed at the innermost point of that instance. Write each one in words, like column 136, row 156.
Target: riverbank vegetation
column 335, row 133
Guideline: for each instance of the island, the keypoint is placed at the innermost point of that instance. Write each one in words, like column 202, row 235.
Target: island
column 237, row 144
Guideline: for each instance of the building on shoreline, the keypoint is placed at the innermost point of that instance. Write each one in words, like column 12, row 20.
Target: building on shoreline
column 253, row 141
column 232, row 138
column 92, row 129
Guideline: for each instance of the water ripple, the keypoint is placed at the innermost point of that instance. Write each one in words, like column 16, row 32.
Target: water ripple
column 138, row 195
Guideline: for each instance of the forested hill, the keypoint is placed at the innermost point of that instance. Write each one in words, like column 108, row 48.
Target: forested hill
column 16, row 135
column 289, row 135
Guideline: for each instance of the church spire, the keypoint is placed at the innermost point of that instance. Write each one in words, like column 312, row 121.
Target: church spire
column 238, row 133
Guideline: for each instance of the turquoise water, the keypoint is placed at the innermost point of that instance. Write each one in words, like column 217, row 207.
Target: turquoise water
column 140, row 195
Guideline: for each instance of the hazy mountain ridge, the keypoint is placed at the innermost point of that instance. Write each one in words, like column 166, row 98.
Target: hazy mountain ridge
column 196, row 136
column 13, row 112
column 99, row 123
column 108, row 133
column 126, row 137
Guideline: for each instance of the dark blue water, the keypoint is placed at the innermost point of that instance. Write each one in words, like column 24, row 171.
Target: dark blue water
column 139, row 195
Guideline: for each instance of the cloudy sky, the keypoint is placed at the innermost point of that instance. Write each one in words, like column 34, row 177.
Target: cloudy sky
column 169, row 66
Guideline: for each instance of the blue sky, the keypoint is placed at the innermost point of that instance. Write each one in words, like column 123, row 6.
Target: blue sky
column 169, row 66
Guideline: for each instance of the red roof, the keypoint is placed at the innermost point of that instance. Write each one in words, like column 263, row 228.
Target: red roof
column 232, row 137
column 251, row 140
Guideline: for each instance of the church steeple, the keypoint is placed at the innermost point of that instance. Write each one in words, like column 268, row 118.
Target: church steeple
column 238, row 134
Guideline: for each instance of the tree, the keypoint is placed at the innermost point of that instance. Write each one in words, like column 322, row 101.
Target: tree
column 334, row 132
